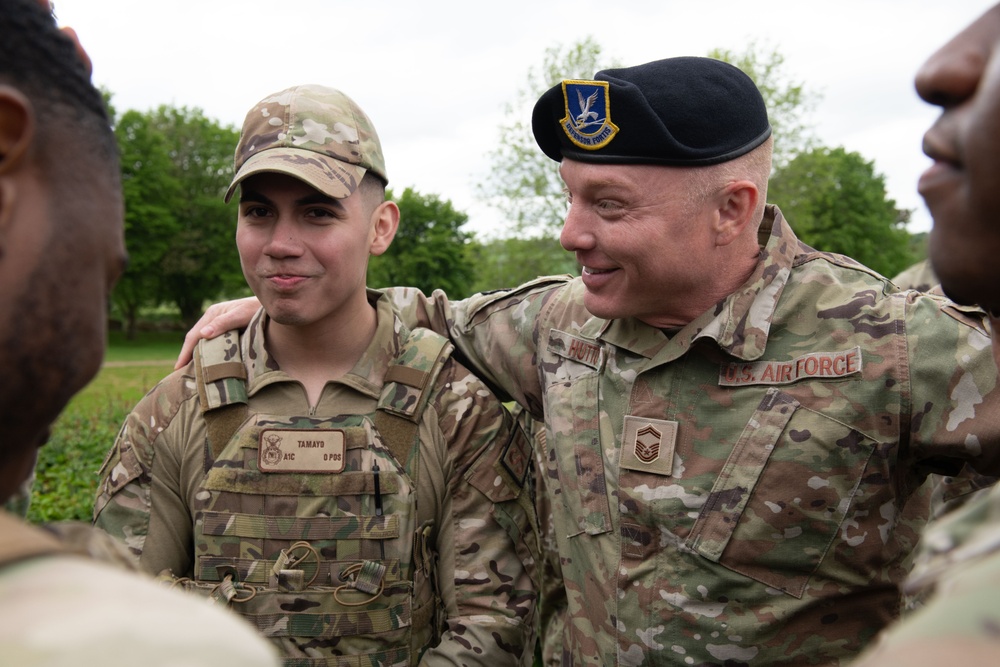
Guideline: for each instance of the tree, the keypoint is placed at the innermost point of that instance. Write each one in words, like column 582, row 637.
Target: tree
column 836, row 202
column 508, row 262
column 788, row 101
column 203, row 259
column 429, row 251
column 151, row 191
column 176, row 165
column 522, row 182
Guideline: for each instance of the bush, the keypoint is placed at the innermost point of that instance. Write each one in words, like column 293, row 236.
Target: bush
column 66, row 472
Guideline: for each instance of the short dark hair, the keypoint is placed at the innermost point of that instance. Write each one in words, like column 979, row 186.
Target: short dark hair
column 372, row 188
column 41, row 62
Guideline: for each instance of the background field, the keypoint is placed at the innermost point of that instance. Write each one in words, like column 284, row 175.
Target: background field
column 66, row 474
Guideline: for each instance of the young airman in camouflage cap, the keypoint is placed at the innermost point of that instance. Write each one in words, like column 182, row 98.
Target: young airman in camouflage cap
column 356, row 494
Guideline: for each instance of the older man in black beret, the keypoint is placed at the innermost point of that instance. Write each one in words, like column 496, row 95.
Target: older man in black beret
column 734, row 421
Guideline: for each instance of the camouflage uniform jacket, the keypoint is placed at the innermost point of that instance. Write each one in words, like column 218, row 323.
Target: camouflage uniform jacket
column 60, row 606
column 958, row 568
column 731, row 492
column 474, row 534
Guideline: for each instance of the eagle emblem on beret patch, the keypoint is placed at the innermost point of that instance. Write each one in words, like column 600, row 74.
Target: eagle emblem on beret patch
column 588, row 114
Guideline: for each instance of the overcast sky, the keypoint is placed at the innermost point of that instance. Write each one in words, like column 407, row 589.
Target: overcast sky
column 434, row 75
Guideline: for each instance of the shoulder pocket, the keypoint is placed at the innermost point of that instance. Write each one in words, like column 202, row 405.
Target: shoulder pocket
column 120, row 467
column 500, row 471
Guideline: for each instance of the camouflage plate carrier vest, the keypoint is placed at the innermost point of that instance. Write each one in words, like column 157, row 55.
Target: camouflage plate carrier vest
column 329, row 556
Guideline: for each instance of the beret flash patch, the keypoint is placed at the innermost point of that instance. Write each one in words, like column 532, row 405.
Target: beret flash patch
column 588, row 114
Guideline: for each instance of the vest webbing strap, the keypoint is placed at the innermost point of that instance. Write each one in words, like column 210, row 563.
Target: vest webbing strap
column 221, row 422
column 221, row 426
column 398, row 431
column 231, row 369
column 406, row 375
column 396, row 418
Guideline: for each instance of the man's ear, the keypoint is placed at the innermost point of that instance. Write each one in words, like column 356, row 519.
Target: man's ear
column 17, row 128
column 385, row 222
column 17, row 131
column 737, row 204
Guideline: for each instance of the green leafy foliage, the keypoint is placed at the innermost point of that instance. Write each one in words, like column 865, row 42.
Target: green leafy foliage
column 149, row 187
column 160, row 346
column 66, row 472
column 508, row 262
column 176, row 165
column 836, row 202
column 788, row 100
column 524, row 184
column 429, row 251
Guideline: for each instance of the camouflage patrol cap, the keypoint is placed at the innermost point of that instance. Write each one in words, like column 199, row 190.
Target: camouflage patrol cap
column 314, row 133
column 685, row 111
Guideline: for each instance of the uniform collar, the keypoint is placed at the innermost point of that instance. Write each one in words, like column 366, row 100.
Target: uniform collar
column 739, row 324
column 368, row 373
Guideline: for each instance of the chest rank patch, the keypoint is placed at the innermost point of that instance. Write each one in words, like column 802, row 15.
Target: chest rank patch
column 648, row 445
column 809, row 366
column 588, row 114
column 306, row 450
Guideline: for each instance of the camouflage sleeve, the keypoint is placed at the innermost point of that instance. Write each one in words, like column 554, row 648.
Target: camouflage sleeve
column 487, row 546
column 954, row 398
column 495, row 333
column 141, row 496
column 958, row 623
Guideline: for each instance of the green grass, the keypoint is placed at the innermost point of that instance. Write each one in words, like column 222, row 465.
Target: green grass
column 160, row 345
column 66, row 473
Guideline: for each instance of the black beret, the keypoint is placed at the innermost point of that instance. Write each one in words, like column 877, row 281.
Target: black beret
column 684, row 111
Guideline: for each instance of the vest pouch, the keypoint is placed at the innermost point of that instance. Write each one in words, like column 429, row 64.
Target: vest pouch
column 312, row 623
column 428, row 609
